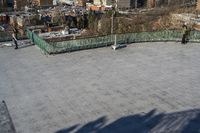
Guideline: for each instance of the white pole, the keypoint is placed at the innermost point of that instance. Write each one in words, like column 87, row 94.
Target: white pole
column 115, row 40
column 113, row 35
column 116, row 5
column 113, row 23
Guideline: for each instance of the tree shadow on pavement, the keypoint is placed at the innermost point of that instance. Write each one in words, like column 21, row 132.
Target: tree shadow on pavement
column 151, row 122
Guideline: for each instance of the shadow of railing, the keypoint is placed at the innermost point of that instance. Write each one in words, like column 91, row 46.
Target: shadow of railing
column 151, row 122
column 25, row 46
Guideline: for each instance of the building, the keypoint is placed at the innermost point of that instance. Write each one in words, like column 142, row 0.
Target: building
column 138, row 3
column 2, row 3
column 81, row 2
column 20, row 4
column 151, row 3
column 6, row 3
column 123, row 4
column 163, row 3
column 69, row 2
column 54, row 2
column 103, row 2
column 44, row 2
column 120, row 3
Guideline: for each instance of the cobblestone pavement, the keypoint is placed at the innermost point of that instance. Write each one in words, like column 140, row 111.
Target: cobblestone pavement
column 146, row 87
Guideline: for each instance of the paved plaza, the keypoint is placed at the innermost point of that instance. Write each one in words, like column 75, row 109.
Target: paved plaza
column 143, row 88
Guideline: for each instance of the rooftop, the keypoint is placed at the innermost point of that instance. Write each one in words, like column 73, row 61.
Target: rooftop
column 146, row 87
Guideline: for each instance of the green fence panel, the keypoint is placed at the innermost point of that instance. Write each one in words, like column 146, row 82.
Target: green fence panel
column 87, row 43
column 167, row 35
column 149, row 36
column 194, row 36
column 95, row 42
column 41, row 43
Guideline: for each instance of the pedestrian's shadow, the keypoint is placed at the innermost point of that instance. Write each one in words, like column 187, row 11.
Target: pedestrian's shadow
column 151, row 122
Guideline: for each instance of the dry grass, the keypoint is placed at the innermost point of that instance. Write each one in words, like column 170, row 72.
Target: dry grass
column 151, row 20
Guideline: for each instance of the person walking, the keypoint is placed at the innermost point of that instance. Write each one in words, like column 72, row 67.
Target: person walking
column 14, row 37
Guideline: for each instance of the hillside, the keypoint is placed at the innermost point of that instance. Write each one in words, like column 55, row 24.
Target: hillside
column 142, row 20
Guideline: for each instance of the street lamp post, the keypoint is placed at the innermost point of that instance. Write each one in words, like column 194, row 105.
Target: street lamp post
column 115, row 45
column 114, row 36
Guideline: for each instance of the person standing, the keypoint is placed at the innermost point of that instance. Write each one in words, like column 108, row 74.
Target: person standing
column 14, row 37
column 186, row 33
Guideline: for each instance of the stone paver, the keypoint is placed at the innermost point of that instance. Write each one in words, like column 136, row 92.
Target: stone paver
column 99, row 90
column 5, row 120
